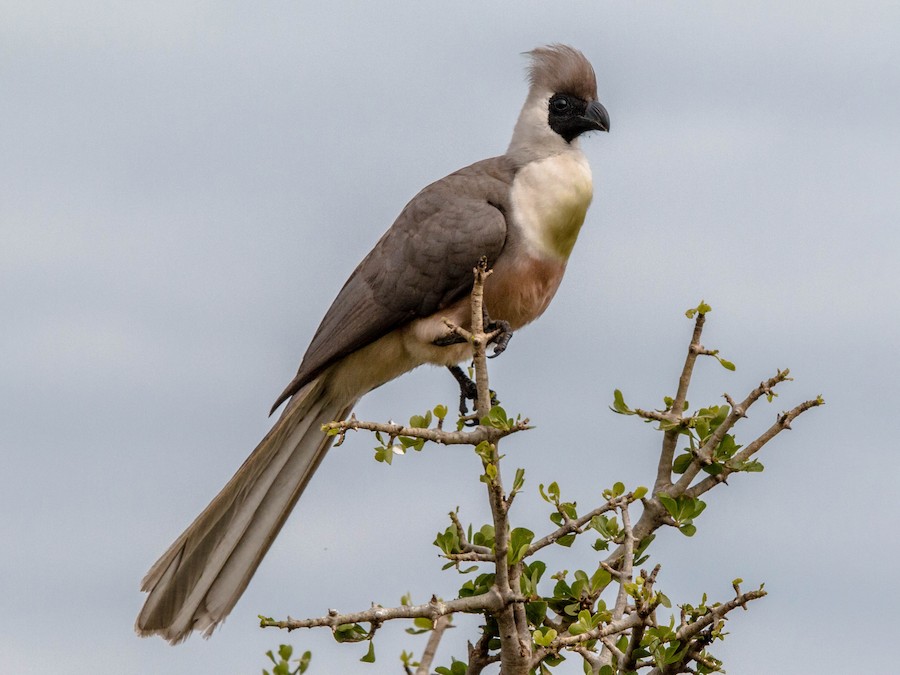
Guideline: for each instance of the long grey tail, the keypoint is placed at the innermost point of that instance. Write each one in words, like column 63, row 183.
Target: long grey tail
column 197, row 582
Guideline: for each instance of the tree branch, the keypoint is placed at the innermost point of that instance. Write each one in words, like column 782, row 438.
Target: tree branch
column 473, row 437
column 783, row 422
column 489, row 601
column 440, row 625
column 670, row 440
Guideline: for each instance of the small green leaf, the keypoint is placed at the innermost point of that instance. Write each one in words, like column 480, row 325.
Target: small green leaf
column 486, row 451
column 702, row 308
column 552, row 493
column 285, row 652
column 545, row 637
column 600, row 580
column 490, row 473
column 497, row 419
column 370, row 655
column 535, row 612
column 566, row 540
column 349, row 632
column 568, row 508
column 440, row 411
column 639, row 493
column 519, row 540
column 519, row 480
column 682, row 462
column 670, row 504
column 619, row 404
column 714, row 469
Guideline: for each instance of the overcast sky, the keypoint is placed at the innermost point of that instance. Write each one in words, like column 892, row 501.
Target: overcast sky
column 184, row 187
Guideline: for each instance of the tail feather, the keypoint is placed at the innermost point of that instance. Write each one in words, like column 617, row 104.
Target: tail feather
column 197, row 582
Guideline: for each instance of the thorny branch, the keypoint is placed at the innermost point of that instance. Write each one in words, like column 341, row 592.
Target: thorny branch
column 625, row 638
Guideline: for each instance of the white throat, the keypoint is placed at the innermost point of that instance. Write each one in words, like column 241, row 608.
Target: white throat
column 532, row 138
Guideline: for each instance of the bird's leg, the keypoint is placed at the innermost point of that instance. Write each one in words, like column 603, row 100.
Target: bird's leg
column 468, row 391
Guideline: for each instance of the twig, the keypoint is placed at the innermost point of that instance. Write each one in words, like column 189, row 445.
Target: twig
column 473, row 437
column 440, row 625
column 706, row 452
column 467, row 546
column 488, row 601
column 627, row 568
column 570, row 527
column 716, row 613
column 783, row 422
column 480, row 656
column 670, row 440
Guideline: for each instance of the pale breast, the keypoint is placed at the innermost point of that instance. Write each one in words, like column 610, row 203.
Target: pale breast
column 550, row 198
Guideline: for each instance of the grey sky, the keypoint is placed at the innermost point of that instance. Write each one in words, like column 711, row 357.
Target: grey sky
column 185, row 186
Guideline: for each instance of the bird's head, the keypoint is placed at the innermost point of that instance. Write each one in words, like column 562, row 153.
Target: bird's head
column 561, row 105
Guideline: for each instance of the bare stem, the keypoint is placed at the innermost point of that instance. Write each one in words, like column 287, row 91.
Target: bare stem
column 670, row 440
column 434, row 640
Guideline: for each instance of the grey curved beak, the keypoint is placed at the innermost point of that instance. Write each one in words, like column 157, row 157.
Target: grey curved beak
column 597, row 116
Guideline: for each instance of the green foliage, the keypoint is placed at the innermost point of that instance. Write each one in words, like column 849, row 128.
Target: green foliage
column 519, row 541
column 531, row 577
column 544, row 637
column 388, row 448
column 351, row 632
column 421, row 625
column 497, row 419
column 619, row 405
column 477, row 586
column 283, row 662
column 369, row 656
column 456, row 668
column 448, row 541
column 701, row 309
column 683, row 510
column 618, row 489
column 518, row 482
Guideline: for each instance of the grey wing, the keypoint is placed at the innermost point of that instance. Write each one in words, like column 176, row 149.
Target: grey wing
column 422, row 263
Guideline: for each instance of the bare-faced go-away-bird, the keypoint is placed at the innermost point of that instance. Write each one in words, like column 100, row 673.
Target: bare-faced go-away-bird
column 522, row 211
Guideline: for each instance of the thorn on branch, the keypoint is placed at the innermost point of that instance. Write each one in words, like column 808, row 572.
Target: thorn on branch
column 737, row 408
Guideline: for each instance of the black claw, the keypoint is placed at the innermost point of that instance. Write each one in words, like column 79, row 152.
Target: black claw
column 501, row 341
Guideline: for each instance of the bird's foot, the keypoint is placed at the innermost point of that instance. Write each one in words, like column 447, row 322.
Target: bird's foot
column 449, row 340
column 501, row 339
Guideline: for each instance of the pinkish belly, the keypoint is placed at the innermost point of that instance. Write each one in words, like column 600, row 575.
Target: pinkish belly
column 520, row 293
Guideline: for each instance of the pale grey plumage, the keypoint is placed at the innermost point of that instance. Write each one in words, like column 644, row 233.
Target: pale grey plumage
column 522, row 210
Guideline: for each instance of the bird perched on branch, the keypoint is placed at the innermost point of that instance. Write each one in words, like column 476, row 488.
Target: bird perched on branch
column 522, row 211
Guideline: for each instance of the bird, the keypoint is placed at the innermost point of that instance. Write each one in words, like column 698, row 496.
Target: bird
column 522, row 211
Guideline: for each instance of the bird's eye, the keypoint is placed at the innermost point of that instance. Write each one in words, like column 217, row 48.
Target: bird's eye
column 560, row 104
